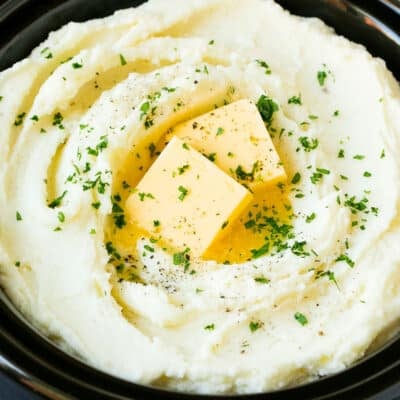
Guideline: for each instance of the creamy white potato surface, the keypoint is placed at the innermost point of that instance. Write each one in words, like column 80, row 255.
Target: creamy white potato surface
column 307, row 278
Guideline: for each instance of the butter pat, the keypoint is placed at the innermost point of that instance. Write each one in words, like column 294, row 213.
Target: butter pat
column 186, row 200
column 236, row 139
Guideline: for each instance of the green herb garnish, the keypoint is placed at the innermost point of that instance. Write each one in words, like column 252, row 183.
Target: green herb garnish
column 122, row 59
column 57, row 201
column 183, row 192
column 301, row 318
column 295, row 100
column 267, row 107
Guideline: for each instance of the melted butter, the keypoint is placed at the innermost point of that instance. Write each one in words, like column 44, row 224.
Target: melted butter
column 237, row 245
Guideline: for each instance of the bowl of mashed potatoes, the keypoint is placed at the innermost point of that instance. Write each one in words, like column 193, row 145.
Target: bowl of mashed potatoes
column 201, row 197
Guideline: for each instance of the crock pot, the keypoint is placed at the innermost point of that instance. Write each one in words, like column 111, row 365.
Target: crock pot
column 32, row 360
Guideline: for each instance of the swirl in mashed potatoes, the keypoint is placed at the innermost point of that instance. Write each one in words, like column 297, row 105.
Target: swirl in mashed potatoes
column 299, row 289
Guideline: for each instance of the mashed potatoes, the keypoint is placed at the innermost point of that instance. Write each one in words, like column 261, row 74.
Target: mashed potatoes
column 76, row 139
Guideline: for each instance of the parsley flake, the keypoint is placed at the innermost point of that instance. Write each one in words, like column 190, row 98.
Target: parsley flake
column 267, row 107
column 301, row 318
column 183, row 192
column 296, row 178
column 220, row 131
column 254, row 326
column 20, row 119
column 61, row 217
column 321, row 76
column 182, row 259
column 308, row 144
column 261, row 279
column 122, row 60
column 57, row 201
column 345, row 258
column 295, row 100
column 264, row 65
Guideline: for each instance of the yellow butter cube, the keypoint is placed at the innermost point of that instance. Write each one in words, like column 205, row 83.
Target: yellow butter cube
column 236, row 139
column 186, row 200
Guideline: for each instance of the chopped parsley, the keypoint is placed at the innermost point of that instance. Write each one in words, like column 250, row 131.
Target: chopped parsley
column 254, row 326
column 210, row 327
column 117, row 212
column 296, row 178
column 77, row 65
column 122, row 60
column 257, row 253
column 355, row 205
column 144, row 108
column 148, row 109
column 148, row 248
column 311, row 217
column 298, row 249
column 46, row 53
column 359, row 157
column 98, row 182
column 322, row 76
column 143, row 196
column 276, row 234
column 220, row 131
column 152, row 149
column 267, row 107
column 35, row 118
column 61, row 217
column 329, row 274
column 18, row 216
column 20, row 119
column 264, row 65
column 262, row 279
column 57, row 120
column 169, row 90
column 156, row 223
column 242, row 175
column 317, row 176
column 183, row 192
column 57, row 201
column 295, row 100
column 212, row 156
column 99, row 147
column 367, row 174
column 96, row 205
column 345, row 258
column 182, row 259
column 341, row 153
column 183, row 169
column 301, row 318
column 308, row 144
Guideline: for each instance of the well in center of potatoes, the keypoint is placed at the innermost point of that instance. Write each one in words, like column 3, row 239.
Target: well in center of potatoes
column 190, row 199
